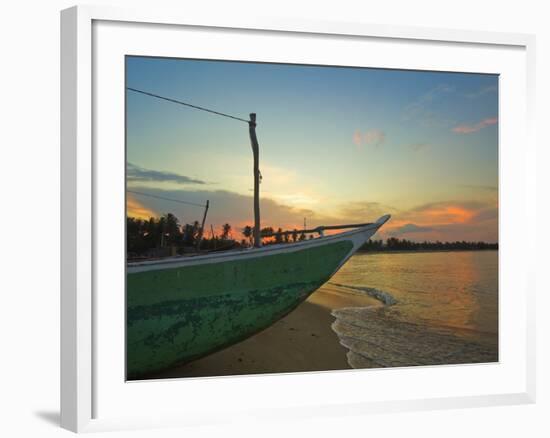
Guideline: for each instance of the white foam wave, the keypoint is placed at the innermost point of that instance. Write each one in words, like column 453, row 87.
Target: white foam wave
column 378, row 294
column 377, row 336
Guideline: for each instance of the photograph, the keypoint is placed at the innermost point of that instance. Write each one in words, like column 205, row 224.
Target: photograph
column 291, row 218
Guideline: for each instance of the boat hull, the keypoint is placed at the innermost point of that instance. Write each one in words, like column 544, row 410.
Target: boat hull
column 178, row 312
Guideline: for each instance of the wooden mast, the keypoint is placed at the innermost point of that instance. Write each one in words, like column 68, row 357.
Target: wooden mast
column 255, row 150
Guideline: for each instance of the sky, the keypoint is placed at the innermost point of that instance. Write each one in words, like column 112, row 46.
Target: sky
column 337, row 145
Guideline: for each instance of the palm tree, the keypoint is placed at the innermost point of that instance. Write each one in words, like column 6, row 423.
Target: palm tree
column 171, row 229
column 226, row 231
column 267, row 232
column 279, row 236
column 247, row 232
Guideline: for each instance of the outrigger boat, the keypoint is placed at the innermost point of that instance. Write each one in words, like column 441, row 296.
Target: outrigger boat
column 182, row 308
column 179, row 309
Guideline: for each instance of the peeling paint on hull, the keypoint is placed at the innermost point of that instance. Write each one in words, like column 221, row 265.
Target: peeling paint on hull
column 179, row 313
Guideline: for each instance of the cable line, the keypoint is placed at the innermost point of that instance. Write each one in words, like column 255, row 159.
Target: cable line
column 187, row 104
column 166, row 199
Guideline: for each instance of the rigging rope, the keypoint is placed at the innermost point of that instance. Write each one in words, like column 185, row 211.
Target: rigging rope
column 166, row 199
column 186, row 104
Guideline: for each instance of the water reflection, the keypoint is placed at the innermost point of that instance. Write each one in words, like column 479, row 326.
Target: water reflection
column 448, row 300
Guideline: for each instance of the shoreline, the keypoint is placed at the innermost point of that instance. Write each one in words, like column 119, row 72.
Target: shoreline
column 407, row 251
column 301, row 341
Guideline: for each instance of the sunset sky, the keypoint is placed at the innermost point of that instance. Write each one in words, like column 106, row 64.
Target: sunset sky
column 337, row 145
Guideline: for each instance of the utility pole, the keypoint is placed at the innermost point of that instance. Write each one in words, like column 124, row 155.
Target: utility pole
column 201, row 232
column 256, row 152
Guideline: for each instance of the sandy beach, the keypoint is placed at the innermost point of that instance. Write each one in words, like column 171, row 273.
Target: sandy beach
column 302, row 341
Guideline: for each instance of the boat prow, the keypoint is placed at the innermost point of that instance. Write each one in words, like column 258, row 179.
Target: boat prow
column 383, row 219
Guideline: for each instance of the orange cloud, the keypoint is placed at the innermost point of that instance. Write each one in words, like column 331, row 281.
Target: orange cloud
column 135, row 209
column 445, row 221
column 443, row 213
column 450, row 214
column 468, row 129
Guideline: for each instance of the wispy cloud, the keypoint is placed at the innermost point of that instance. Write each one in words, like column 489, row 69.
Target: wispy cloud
column 480, row 187
column 372, row 137
column 432, row 94
column 481, row 92
column 364, row 210
column 486, row 214
column 417, row 147
column 358, row 138
column 422, row 108
column 468, row 129
column 412, row 228
column 140, row 174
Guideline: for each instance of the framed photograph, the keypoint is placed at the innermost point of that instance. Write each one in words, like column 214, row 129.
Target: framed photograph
column 258, row 208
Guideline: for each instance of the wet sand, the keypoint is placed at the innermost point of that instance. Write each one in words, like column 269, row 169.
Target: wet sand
column 302, row 341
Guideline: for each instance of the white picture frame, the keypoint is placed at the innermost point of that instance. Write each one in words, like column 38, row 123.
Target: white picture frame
column 83, row 374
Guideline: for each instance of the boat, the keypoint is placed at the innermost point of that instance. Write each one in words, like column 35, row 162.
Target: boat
column 180, row 309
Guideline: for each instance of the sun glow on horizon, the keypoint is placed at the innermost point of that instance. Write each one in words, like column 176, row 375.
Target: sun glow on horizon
column 137, row 210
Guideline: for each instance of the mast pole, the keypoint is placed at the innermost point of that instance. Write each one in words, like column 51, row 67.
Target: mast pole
column 255, row 150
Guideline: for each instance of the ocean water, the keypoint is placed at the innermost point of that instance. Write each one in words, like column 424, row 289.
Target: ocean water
column 432, row 308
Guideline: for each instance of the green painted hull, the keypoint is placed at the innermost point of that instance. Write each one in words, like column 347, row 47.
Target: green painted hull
column 179, row 314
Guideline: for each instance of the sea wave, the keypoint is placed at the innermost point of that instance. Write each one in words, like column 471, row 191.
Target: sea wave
column 383, row 337
column 378, row 294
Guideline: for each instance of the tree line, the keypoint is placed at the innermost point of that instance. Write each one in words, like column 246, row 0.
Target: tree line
column 395, row 244
column 166, row 236
column 154, row 236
